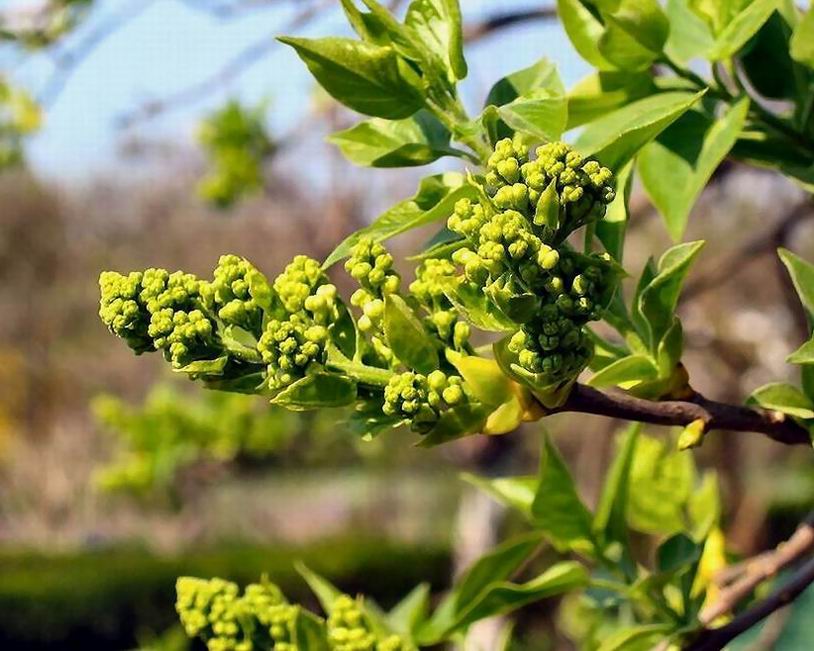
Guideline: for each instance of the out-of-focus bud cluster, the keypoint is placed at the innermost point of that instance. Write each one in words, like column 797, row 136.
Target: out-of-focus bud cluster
column 371, row 265
column 432, row 276
column 290, row 345
column 348, row 629
column 158, row 310
column 422, row 399
column 237, row 144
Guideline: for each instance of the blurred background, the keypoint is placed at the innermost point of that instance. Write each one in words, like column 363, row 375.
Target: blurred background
column 166, row 132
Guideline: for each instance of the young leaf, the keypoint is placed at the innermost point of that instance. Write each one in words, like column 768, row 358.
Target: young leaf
column 365, row 24
column 802, row 41
column 483, row 377
column 658, row 300
column 409, row 613
column 547, row 212
column 677, row 552
column 612, row 228
column 437, row 24
column 615, row 138
column 783, row 397
column 690, row 36
column 557, row 509
column 626, row 372
column 433, row 202
column 687, row 153
column 538, row 76
column 324, row 590
column 454, row 423
column 604, row 91
column 406, row 336
column 635, row 32
column 610, row 519
column 802, row 275
column 741, row 28
column 515, row 492
column 417, row 140
column 469, row 300
column 318, row 391
column 538, row 113
column 803, row 355
column 204, row 367
column 362, row 76
column 635, row 638
column 584, row 30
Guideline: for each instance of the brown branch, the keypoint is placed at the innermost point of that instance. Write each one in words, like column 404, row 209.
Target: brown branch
column 716, row 415
column 717, row 638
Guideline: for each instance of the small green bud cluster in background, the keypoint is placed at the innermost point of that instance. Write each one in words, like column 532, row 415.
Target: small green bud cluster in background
column 428, row 289
column 237, row 144
column 371, row 265
column 422, row 398
column 261, row 619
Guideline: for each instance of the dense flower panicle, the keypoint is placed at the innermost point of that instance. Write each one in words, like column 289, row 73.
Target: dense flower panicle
column 230, row 294
column 422, row 399
column 429, row 290
column 299, row 280
column 121, row 310
column 348, row 629
column 213, row 611
column 159, row 310
column 290, row 346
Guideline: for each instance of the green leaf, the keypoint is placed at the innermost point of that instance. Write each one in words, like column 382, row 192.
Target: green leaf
column 407, row 337
column 538, row 76
column 515, row 492
column 615, row 138
column 767, row 64
column 664, row 479
column 677, row 552
column 325, row 591
column 584, row 30
column 309, row 632
column 501, row 598
column 538, row 113
column 610, row 519
column 802, row 41
column 625, row 372
column 604, row 91
column 454, row 423
column 658, row 300
column 483, row 377
column 317, row 391
column 690, row 37
column 370, row 375
column 437, row 24
column 365, row 24
column 802, row 276
column 241, row 344
column 687, row 153
column 783, row 397
column 557, row 509
column 204, row 367
column 741, row 28
column 364, row 77
column 635, row 32
column 612, row 228
column 547, row 212
column 417, row 140
column 469, row 299
column 704, row 506
column 409, row 613
column 433, row 202
column 803, row 355
column 635, row 638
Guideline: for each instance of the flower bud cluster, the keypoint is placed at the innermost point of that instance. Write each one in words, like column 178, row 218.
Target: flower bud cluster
column 158, row 310
column 348, row 629
column 215, row 611
column 229, row 293
column 421, row 398
column 554, row 342
column 583, row 186
column 371, row 265
column 428, row 289
column 289, row 346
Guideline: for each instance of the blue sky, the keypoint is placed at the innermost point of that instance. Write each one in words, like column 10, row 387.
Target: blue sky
column 171, row 45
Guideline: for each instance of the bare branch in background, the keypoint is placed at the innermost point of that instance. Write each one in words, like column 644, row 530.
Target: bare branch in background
column 67, row 61
column 742, row 579
column 258, row 50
